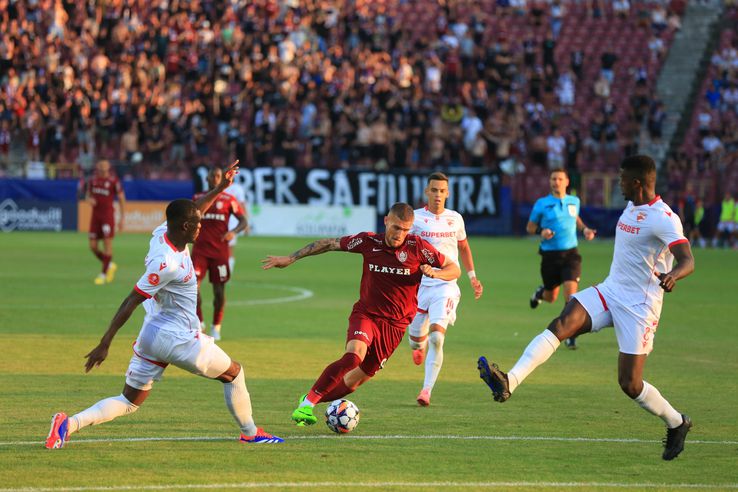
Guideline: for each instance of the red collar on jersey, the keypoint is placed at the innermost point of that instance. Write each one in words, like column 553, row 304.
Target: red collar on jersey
column 655, row 199
column 170, row 243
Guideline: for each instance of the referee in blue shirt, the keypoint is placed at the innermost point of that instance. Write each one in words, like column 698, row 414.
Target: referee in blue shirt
column 555, row 217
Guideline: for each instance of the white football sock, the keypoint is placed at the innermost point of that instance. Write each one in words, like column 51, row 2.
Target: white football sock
column 231, row 263
column 102, row 411
column 238, row 401
column 536, row 353
column 651, row 400
column 434, row 359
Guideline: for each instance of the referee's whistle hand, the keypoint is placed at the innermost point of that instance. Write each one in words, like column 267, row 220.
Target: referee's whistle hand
column 547, row 233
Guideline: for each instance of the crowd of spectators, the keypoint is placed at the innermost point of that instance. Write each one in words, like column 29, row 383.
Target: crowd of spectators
column 165, row 84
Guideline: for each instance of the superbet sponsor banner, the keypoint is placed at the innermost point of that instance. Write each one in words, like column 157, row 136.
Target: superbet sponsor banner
column 305, row 220
column 471, row 193
column 140, row 216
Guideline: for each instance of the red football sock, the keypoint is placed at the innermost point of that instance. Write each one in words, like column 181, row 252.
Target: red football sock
column 333, row 375
column 338, row 391
column 106, row 262
column 98, row 254
column 218, row 313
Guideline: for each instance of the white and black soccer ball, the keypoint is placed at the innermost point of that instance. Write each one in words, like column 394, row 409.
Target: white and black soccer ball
column 342, row 416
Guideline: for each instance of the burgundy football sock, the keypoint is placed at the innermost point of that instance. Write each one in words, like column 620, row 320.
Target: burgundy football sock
column 338, row 391
column 98, row 254
column 333, row 376
column 106, row 262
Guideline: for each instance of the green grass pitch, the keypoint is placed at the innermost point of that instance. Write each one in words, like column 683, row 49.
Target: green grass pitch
column 567, row 426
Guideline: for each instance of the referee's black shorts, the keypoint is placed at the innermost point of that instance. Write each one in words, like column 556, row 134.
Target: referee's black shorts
column 560, row 266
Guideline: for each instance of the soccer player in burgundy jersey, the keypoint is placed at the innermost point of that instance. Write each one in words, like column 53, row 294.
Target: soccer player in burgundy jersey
column 394, row 264
column 210, row 252
column 100, row 191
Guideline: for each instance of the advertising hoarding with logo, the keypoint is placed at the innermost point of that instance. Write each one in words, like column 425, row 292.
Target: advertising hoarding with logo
column 37, row 215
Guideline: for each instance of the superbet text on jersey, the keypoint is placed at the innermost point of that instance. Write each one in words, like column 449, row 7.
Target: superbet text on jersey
column 391, row 276
column 444, row 231
column 643, row 237
column 215, row 225
column 103, row 190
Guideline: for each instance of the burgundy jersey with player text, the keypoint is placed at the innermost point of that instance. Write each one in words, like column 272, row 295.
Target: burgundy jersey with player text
column 103, row 190
column 391, row 276
column 210, row 242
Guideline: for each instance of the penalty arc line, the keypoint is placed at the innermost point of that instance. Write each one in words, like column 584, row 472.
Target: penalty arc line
column 299, row 294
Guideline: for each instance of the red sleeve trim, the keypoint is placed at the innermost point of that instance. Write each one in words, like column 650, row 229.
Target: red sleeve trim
column 678, row 241
column 147, row 296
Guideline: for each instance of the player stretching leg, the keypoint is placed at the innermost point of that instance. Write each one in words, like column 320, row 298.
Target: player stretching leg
column 438, row 300
column 170, row 333
column 100, row 191
column 394, row 263
column 647, row 240
column 210, row 251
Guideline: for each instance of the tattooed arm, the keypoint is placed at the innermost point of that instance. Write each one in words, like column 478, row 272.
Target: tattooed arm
column 315, row 248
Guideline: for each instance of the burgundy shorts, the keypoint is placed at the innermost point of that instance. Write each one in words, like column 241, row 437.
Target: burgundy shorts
column 219, row 271
column 379, row 334
column 102, row 227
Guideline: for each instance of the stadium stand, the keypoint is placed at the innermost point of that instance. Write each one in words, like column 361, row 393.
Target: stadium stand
column 159, row 86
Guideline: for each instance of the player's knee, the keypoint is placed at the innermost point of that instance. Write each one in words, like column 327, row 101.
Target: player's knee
column 630, row 387
column 417, row 343
column 437, row 338
column 231, row 373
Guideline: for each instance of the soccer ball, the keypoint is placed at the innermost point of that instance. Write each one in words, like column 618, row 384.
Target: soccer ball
column 342, row 416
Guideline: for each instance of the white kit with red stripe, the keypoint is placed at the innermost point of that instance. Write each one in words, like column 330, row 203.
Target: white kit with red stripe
column 170, row 286
column 444, row 231
column 643, row 237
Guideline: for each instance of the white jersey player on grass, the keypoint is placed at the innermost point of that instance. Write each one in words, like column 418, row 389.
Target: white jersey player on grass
column 438, row 299
column 170, row 333
column 648, row 238
column 236, row 189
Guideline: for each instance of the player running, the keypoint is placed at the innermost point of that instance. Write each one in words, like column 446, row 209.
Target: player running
column 210, row 251
column 170, row 333
column 647, row 240
column 555, row 218
column 438, row 300
column 394, row 263
column 100, row 191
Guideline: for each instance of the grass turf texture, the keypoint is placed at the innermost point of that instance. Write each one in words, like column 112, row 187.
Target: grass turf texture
column 51, row 315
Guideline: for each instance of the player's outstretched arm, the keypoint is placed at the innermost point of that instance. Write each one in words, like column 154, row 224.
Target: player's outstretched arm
column 97, row 355
column 315, row 248
column 449, row 271
column 685, row 265
column 204, row 202
column 467, row 260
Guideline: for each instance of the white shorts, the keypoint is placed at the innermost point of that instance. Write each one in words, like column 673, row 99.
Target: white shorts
column 635, row 326
column 155, row 349
column 439, row 303
column 726, row 227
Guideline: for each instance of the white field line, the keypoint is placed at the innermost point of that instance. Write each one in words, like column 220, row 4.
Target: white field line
column 298, row 294
column 374, row 437
column 380, row 485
